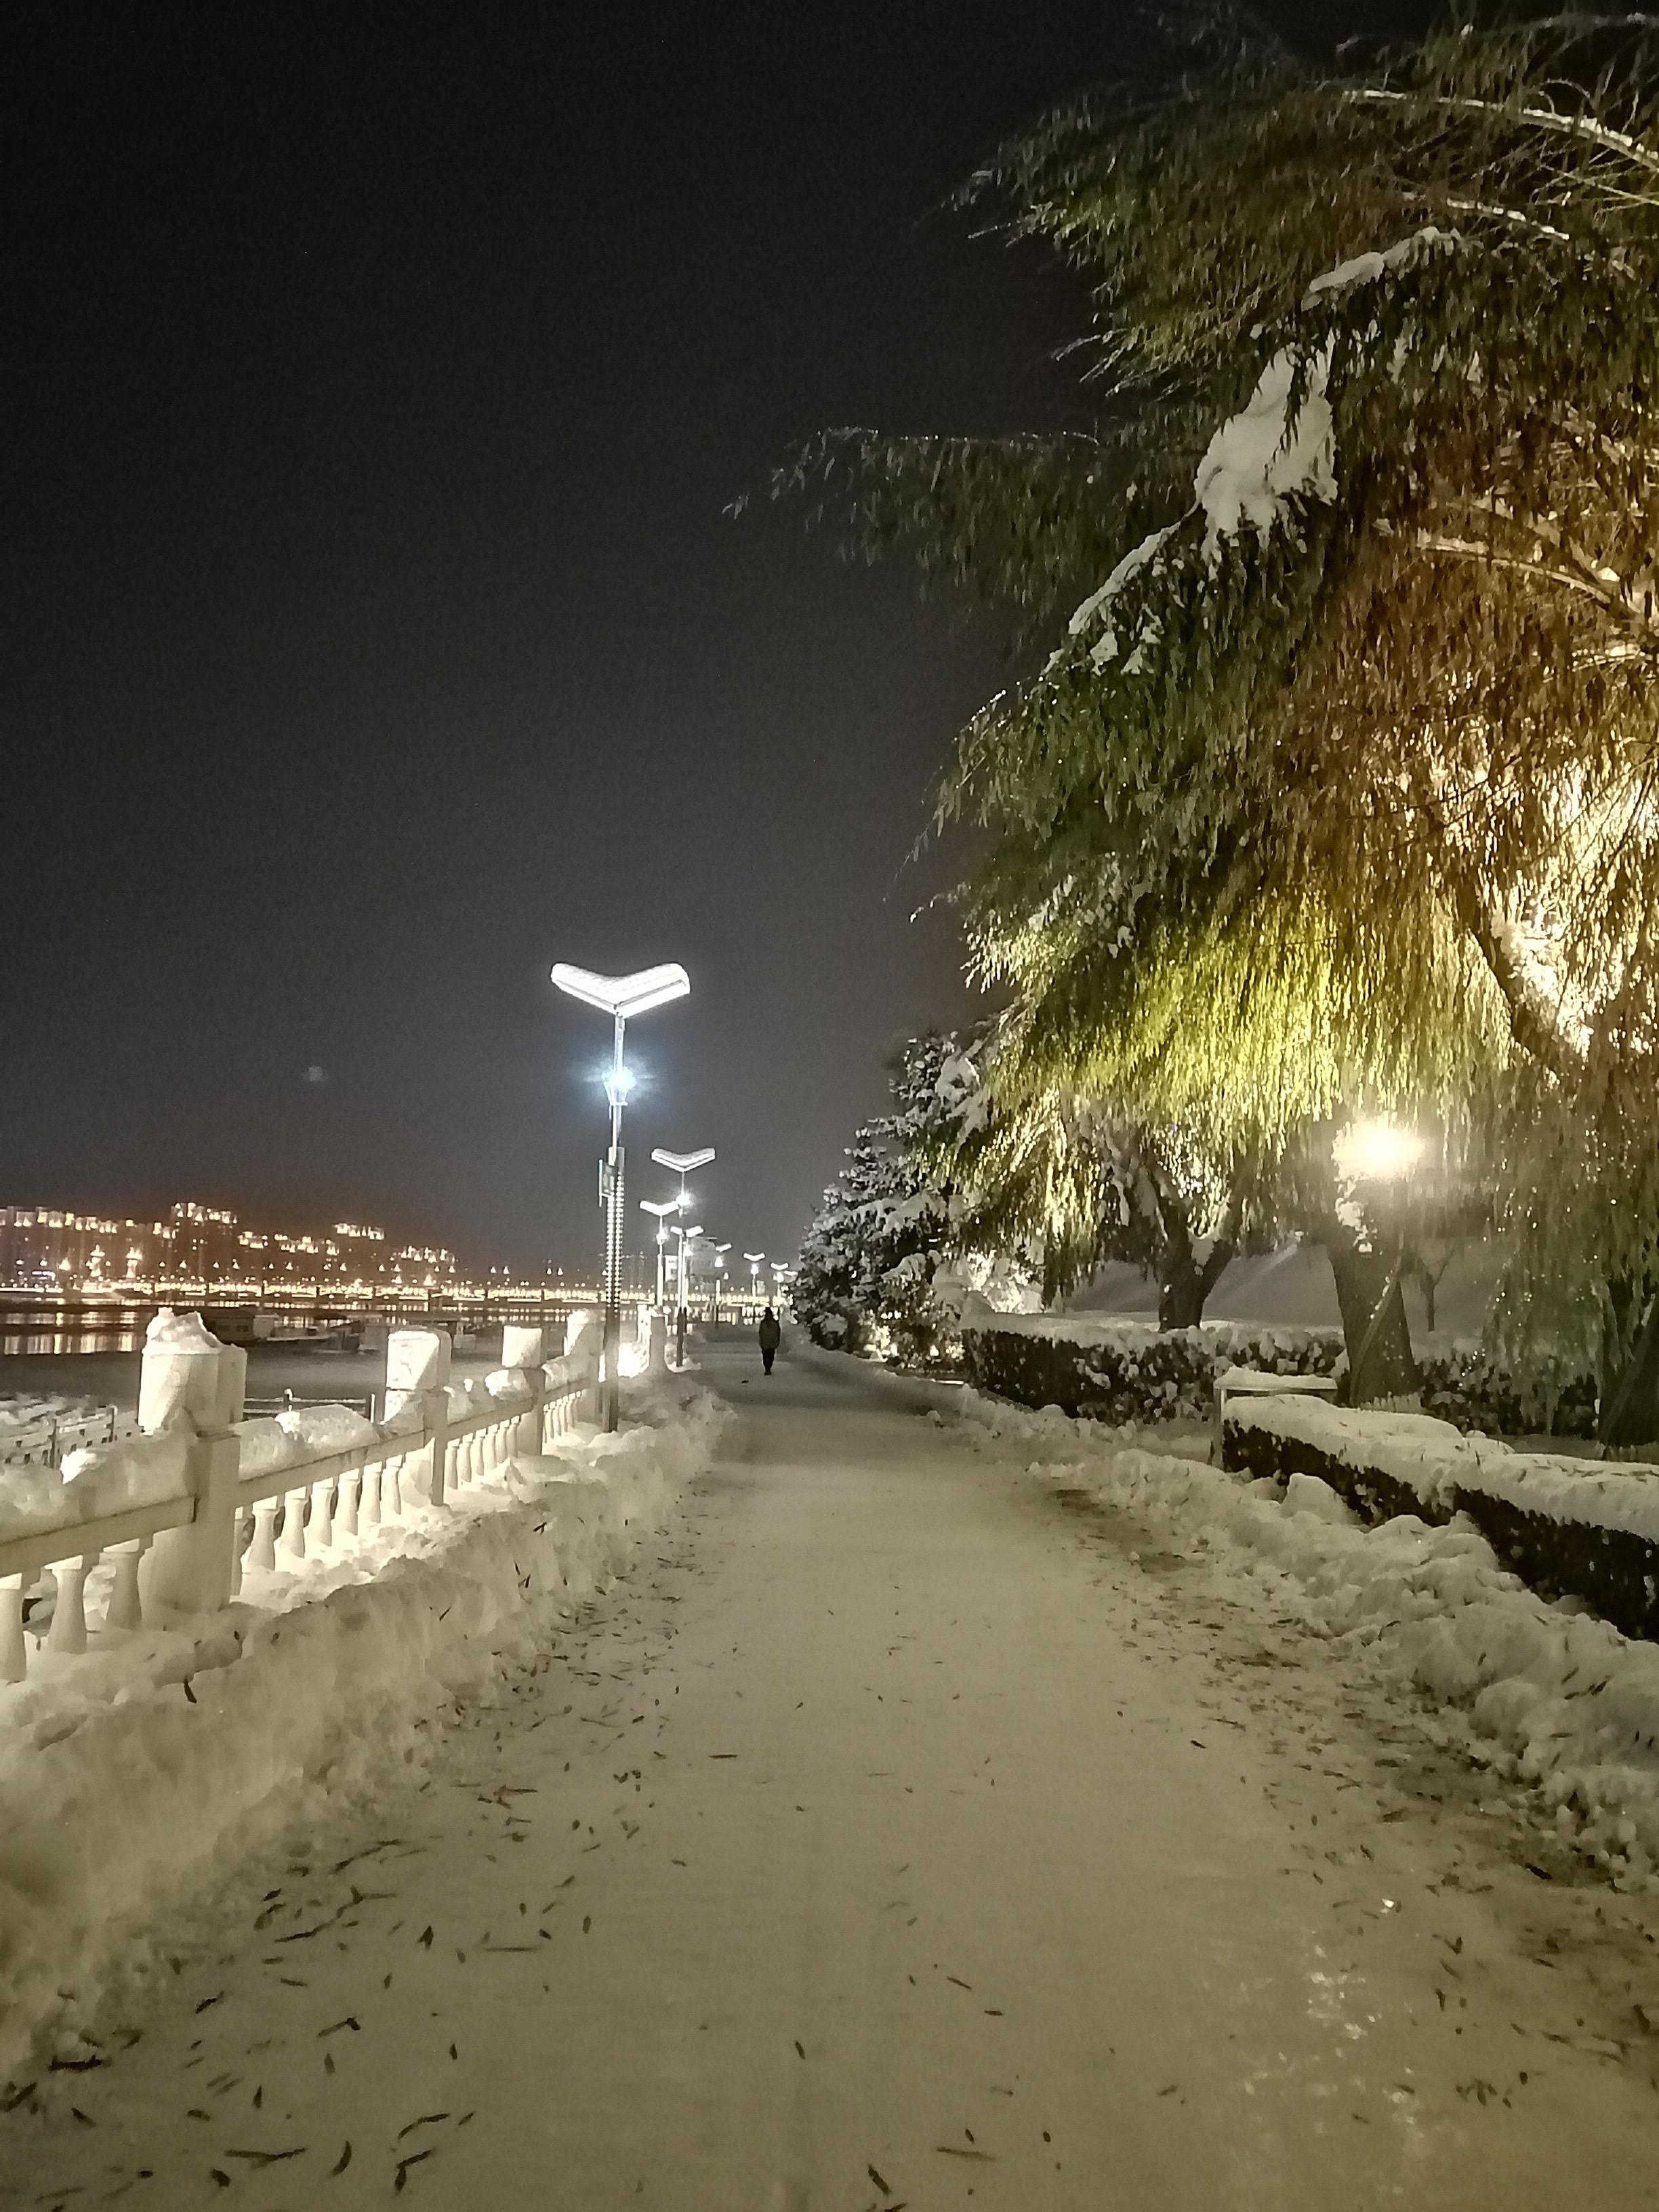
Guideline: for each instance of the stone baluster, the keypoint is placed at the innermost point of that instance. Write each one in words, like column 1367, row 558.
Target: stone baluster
column 293, row 1523
column 14, row 1653
column 125, row 1609
column 322, row 1514
column 68, row 1631
column 351, row 1489
column 262, row 1552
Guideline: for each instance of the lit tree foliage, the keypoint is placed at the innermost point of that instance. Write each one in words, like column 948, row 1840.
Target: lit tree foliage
column 1337, row 789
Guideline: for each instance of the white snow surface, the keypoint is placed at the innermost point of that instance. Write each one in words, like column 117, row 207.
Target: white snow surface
column 1551, row 1695
column 319, row 1428
column 1432, row 1457
column 180, row 1333
column 930, row 1829
column 125, row 1797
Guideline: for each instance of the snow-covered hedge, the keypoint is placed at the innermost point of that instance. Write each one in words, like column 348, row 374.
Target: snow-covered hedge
column 1570, row 1527
column 1115, row 1369
column 1463, row 1386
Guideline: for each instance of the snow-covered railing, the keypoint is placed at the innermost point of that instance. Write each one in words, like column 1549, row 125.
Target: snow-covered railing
column 46, row 1428
column 201, row 1497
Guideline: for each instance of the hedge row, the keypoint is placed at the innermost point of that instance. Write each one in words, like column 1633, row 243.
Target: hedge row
column 1569, row 1529
column 1131, row 1371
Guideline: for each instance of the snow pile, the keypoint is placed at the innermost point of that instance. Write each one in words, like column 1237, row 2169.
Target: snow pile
column 125, row 1797
column 266, row 1445
column 136, row 1471
column 93, row 1481
column 185, row 1333
column 1545, row 1693
column 1445, row 1469
column 317, row 1430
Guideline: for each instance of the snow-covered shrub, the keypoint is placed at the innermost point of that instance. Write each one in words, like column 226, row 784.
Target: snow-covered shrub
column 1570, row 1527
column 1131, row 1370
column 887, row 1224
column 1121, row 1369
column 1465, row 1386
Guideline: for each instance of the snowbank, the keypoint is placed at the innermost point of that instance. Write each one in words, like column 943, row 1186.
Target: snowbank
column 124, row 1798
column 1543, row 1693
column 1570, row 1527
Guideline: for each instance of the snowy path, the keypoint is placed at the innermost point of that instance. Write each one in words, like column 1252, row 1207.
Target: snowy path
column 898, row 1838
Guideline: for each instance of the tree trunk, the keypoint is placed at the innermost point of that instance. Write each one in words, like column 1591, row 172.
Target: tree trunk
column 1628, row 1414
column 1184, row 1286
column 1375, row 1330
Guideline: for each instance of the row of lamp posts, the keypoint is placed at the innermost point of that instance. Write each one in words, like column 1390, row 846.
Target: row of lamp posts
column 624, row 996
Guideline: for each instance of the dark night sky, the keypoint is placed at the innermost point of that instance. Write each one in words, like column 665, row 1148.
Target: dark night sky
column 373, row 382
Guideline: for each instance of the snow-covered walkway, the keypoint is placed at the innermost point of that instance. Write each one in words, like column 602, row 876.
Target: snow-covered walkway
column 899, row 1837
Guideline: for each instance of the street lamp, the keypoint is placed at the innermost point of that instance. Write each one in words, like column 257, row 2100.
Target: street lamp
column 682, row 1164
column 661, row 1208
column 720, row 1251
column 619, row 996
column 754, row 1259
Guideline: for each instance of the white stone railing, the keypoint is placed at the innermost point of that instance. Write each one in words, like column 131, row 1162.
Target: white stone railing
column 189, row 1551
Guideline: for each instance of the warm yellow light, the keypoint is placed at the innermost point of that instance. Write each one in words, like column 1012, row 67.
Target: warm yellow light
column 1377, row 1151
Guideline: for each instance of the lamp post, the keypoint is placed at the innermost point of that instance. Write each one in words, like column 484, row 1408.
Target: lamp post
column 1383, row 1154
column 720, row 1251
column 661, row 1208
column 754, row 1259
column 682, row 1164
column 619, row 996
column 688, row 1238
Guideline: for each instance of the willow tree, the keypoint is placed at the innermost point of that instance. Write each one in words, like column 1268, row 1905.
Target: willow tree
column 1337, row 787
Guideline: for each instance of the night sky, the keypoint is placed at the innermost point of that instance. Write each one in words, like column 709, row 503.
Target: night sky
column 373, row 635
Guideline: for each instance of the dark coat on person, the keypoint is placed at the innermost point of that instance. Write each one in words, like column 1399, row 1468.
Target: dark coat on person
column 771, row 1336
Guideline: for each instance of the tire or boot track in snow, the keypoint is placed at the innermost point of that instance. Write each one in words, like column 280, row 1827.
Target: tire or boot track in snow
column 904, row 1839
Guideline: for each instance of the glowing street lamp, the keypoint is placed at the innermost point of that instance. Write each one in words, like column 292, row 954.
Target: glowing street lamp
column 720, row 1251
column 1385, row 1152
column 621, row 997
column 661, row 1208
column 754, row 1259
column 1376, row 1152
column 682, row 1164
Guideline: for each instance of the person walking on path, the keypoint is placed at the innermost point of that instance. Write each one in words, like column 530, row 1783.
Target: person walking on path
column 771, row 1336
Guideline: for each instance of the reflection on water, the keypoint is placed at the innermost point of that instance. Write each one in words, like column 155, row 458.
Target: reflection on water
column 32, row 1340
column 35, row 1330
